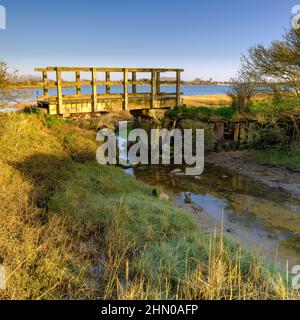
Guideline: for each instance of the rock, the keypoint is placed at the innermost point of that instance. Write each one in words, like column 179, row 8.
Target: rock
column 197, row 177
column 163, row 196
column 176, row 171
column 187, row 197
column 160, row 195
column 197, row 208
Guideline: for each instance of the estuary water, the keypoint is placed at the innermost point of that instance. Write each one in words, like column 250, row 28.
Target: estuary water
column 187, row 90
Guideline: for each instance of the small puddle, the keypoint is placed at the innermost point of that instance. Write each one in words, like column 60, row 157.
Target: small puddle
column 260, row 218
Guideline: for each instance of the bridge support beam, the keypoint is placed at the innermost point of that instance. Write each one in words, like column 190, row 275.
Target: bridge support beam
column 59, row 91
column 94, row 86
column 125, row 87
column 107, row 79
column 178, row 93
column 153, row 88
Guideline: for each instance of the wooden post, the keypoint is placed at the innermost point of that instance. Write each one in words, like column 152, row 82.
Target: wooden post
column 219, row 132
column 178, row 102
column 153, row 87
column 134, row 79
column 45, row 83
column 125, row 87
column 59, row 91
column 107, row 78
column 78, row 87
column 236, row 134
column 157, row 82
column 243, row 133
column 94, row 85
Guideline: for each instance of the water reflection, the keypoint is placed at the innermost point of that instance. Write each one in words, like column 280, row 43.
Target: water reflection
column 256, row 215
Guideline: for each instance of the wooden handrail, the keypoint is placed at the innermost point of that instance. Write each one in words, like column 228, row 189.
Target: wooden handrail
column 88, row 69
column 65, row 84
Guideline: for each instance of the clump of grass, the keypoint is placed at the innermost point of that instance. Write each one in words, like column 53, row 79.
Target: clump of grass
column 279, row 156
column 194, row 268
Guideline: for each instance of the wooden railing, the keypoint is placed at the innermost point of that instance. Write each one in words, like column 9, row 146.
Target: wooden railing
column 156, row 94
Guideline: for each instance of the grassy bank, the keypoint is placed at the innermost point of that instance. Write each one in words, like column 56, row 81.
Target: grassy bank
column 71, row 229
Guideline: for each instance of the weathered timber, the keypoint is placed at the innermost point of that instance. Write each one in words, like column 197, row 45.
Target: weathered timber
column 219, row 132
column 158, row 82
column 133, row 82
column 107, row 80
column 94, row 86
column 178, row 103
column 125, row 79
column 87, row 69
column 153, row 88
column 78, row 85
column 59, row 91
column 66, row 104
column 45, row 81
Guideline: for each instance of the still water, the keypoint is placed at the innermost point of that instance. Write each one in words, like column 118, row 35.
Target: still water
column 185, row 89
column 262, row 219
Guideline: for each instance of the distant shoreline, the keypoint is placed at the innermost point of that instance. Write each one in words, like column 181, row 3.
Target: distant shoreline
column 183, row 83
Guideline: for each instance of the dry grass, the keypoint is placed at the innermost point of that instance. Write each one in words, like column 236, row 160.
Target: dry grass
column 41, row 251
column 225, row 275
column 217, row 100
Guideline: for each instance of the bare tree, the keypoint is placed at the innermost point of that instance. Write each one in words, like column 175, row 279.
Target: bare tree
column 6, row 93
column 277, row 66
column 243, row 90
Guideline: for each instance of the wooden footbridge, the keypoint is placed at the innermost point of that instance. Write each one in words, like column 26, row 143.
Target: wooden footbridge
column 82, row 96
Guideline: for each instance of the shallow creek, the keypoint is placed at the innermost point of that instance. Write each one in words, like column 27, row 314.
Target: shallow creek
column 262, row 219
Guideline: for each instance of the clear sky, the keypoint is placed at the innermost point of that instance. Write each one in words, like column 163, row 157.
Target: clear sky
column 205, row 37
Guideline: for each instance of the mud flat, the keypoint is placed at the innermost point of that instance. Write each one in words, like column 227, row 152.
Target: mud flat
column 275, row 177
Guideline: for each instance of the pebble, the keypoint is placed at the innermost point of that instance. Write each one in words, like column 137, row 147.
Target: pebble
column 176, row 171
column 163, row 196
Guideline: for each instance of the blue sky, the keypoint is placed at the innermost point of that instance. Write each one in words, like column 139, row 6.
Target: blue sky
column 205, row 37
